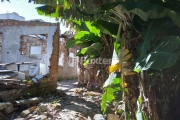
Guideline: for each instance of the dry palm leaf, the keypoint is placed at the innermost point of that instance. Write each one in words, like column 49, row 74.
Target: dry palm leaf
column 126, row 55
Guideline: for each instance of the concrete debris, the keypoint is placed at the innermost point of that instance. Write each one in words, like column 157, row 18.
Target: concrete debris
column 28, row 111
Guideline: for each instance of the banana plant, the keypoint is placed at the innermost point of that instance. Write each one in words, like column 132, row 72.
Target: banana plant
column 151, row 60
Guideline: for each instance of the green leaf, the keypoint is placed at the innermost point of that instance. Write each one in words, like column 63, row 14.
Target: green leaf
column 147, row 35
column 40, row 12
column 86, row 62
column 140, row 100
column 162, row 56
column 92, row 51
column 56, row 14
column 93, row 29
column 117, row 47
column 113, row 90
column 145, row 10
column 107, row 98
column 94, row 48
column 158, row 61
column 112, row 80
column 84, row 50
column 107, row 27
column 168, row 44
column 81, row 34
column 92, row 37
column 73, row 43
column 66, row 5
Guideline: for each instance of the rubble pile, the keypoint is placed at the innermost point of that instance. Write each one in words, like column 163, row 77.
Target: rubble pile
column 18, row 101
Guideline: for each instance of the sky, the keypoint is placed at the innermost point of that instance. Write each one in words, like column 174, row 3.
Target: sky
column 27, row 10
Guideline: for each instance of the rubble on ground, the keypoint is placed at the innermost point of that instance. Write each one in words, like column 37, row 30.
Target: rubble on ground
column 70, row 104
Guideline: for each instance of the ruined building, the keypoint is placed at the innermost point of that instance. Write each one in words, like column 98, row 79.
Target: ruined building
column 28, row 50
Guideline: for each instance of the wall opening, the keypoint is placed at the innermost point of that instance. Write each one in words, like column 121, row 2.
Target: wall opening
column 35, row 50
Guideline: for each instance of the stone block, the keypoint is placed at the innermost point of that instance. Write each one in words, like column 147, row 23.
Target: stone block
column 9, row 109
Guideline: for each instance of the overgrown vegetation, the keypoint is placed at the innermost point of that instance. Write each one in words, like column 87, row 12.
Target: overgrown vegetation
column 143, row 80
column 145, row 58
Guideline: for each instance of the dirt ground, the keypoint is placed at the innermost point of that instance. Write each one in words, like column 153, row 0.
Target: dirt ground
column 68, row 103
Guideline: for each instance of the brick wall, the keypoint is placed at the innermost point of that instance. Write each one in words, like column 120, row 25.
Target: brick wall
column 66, row 71
column 28, row 41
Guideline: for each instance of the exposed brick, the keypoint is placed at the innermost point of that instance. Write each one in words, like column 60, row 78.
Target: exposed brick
column 24, row 23
column 16, row 23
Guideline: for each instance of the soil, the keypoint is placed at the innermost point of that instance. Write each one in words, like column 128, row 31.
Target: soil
column 69, row 102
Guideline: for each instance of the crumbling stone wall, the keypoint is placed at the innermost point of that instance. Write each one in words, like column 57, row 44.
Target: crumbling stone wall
column 12, row 30
column 48, row 83
column 68, row 69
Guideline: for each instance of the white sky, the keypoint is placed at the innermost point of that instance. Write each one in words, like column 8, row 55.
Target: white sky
column 27, row 10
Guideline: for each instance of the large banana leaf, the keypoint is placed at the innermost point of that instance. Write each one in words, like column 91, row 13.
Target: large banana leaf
column 93, row 50
column 148, row 34
column 145, row 10
column 162, row 57
column 83, row 38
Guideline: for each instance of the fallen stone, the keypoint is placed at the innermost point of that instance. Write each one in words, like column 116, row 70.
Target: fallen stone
column 43, row 108
column 28, row 111
column 9, row 109
column 99, row 117
column 4, row 105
